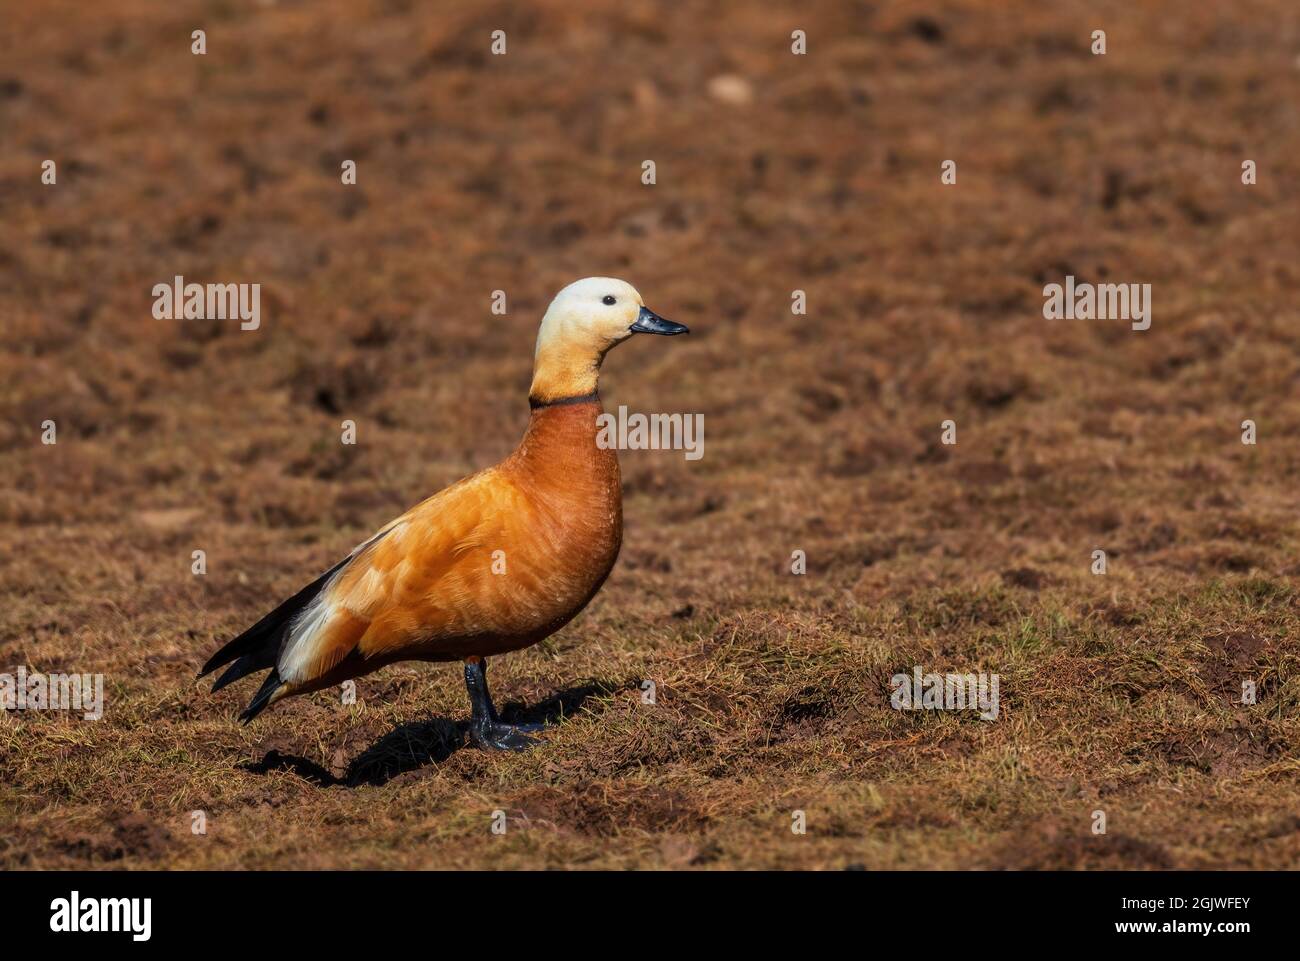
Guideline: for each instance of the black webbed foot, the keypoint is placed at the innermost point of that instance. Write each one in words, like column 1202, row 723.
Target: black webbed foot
column 502, row 737
column 486, row 729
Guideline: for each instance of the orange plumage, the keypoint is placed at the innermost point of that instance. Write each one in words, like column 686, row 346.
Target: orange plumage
column 493, row 563
column 432, row 587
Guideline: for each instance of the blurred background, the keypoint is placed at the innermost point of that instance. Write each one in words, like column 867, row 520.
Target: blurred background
column 775, row 173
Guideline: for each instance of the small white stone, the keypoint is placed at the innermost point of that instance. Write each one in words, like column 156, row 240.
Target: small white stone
column 731, row 89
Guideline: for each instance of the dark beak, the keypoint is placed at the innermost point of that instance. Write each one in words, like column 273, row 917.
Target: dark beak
column 648, row 322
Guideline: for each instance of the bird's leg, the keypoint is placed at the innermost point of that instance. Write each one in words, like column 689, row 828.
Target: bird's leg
column 486, row 729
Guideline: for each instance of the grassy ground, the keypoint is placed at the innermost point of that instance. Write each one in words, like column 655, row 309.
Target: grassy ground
column 1119, row 693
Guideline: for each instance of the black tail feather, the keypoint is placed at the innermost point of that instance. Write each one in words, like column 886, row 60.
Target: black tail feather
column 259, row 647
column 262, row 699
column 261, row 642
column 246, row 665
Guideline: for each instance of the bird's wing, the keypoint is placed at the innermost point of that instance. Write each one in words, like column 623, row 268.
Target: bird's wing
column 425, row 577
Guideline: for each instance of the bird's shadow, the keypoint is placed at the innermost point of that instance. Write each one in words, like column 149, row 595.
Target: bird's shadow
column 411, row 746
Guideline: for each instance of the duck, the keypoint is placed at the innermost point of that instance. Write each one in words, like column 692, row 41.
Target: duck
column 498, row 561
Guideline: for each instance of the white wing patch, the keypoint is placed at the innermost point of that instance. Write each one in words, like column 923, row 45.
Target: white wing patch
column 296, row 654
column 298, row 651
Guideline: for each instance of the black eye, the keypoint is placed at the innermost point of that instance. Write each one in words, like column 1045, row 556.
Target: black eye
column 608, row 300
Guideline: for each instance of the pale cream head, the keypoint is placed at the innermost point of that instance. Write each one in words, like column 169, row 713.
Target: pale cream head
column 584, row 321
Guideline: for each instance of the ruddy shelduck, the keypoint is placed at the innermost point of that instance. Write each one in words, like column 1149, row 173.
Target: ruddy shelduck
column 494, row 563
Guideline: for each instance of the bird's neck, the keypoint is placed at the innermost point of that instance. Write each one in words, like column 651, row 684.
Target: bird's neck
column 563, row 371
column 559, row 451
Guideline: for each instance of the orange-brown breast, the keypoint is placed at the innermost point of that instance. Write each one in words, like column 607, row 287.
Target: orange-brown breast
column 493, row 563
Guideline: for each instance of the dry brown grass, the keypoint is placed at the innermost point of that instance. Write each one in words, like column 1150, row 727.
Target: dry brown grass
column 521, row 173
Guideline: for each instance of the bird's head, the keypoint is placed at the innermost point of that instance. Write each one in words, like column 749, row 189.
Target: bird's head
column 584, row 321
